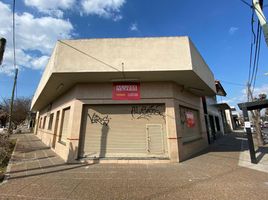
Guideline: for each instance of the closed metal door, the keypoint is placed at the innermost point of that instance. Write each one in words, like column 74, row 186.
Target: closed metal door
column 155, row 140
column 121, row 130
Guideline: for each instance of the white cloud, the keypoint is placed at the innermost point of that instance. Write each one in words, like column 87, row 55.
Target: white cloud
column 51, row 7
column 40, row 62
column 134, row 27
column 32, row 35
column 259, row 90
column 117, row 18
column 230, row 101
column 242, row 96
column 41, row 33
column 233, row 30
column 103, row 8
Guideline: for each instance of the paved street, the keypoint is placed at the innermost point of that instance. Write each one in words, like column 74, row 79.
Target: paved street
column 38, row 173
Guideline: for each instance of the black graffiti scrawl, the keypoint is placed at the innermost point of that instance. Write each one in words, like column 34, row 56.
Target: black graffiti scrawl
column 146, row 111
column 95, row 118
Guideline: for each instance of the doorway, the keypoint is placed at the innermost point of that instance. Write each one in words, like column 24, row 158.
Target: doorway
column 55, row 130
column 212, row 126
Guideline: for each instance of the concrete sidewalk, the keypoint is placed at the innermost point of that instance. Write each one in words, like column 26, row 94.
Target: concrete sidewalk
column 36, row 172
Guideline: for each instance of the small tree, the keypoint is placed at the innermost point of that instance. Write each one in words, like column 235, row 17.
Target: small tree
column 3, row 116
column 21, row 109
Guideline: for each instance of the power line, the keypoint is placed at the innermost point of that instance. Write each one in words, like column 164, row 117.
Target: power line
column 253, row 39
column 246, row 3
column 257, row 62
column 14, row 42
column 256, row 55
column 254, row 8
column 16, row 73
column 261, row 14
column 255, row 44
column 90, row 56
column 233, row 83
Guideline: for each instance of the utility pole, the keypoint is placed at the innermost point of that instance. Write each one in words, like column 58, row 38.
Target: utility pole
column 12, row 102
column 256, row 118
column 16, row 75
column 257, row 6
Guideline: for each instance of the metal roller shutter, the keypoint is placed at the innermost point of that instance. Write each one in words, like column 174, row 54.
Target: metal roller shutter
column 122, row 131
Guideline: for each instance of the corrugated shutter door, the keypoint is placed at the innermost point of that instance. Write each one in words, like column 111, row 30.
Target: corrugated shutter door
column 113, row 131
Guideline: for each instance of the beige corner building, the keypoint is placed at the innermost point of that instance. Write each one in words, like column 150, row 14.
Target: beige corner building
column 124, row 99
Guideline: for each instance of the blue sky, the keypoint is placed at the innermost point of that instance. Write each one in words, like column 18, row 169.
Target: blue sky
column 221, row 31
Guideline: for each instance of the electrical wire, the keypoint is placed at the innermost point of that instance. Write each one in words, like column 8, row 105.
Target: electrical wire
column 256, row 42
column 233, row 83
column 253, row 39
column 92, row 57
column 13, row 36
column 256, row 55
column 261, row 14
column 246, row 3
column 254, row 8
column 257, row 62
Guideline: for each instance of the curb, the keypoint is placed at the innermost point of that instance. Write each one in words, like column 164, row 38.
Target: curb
column 7, row 174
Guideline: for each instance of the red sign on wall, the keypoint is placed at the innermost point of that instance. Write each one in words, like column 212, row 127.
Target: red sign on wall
column 126, row 91
column 190, row 122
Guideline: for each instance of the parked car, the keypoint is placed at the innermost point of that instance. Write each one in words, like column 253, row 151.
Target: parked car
column 2, row 129
column 265, row 124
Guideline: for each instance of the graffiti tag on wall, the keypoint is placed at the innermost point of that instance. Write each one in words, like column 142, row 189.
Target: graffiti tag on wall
column 146, row 111
column 95, row 118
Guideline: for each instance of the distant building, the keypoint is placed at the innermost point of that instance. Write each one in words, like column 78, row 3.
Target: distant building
column 215, row 114
column 127, row 98
column 236, row 118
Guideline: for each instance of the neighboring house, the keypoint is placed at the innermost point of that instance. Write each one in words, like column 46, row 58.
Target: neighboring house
column 127, row 98
column 216, row 121
column 236, row 118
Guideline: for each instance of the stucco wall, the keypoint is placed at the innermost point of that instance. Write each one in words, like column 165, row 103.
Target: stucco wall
column 172, row 95
column 137, row 54
column 186, row 99
column 46, row 135
column 176, row 57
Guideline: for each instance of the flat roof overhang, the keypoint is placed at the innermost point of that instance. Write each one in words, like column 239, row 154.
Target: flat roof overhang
column 254, row 105
column 223, row 106
column 219, row 89
column 59, row 83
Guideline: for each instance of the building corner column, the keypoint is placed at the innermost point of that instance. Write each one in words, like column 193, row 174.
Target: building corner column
column 75, row 124
column 172, row 136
